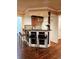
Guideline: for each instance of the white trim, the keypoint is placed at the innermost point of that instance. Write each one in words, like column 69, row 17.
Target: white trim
column 42, row 8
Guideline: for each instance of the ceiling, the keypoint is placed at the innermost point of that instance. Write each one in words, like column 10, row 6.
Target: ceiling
column 23, row 5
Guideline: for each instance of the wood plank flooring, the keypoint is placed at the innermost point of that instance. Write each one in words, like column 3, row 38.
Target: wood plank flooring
column 53, row 52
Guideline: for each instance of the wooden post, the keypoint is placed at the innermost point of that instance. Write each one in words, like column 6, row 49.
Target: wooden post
column 48, row 20
column 48, row 25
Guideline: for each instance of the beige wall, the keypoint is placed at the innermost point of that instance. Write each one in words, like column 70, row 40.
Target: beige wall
column 59, row 27
column 55, row 34
column 54, row 28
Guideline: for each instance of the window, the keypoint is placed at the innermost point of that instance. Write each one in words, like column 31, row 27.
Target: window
column 19, row 24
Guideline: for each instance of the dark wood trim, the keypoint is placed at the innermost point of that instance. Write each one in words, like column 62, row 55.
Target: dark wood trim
column 37, row 16
column 48, row 20
column 48, row 25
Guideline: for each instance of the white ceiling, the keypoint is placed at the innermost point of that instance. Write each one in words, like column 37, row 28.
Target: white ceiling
column 23, row 5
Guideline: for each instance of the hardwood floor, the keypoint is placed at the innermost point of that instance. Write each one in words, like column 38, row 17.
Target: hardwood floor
column 53, row 52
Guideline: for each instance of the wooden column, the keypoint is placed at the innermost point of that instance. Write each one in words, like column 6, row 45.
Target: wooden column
column 48, row 20
column 48, row 25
